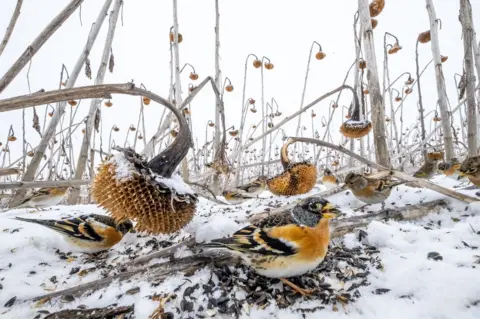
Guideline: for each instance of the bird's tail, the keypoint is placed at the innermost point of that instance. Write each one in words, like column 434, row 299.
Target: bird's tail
column 19, row 204
column 229, row 244
column 44, row 222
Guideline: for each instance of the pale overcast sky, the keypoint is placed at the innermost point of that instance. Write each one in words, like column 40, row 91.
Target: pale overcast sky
column 280, row 30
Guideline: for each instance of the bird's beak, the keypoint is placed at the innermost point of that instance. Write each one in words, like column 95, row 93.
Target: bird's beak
column 330, row 211
column 460, row 175
column 132, row 230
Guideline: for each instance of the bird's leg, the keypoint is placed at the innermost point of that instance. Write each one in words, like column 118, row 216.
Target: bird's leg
column 383, row 205
column 303, row 292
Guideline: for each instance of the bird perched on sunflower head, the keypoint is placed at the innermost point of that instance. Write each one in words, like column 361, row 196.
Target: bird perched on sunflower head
column 470, row 168
column 370, row 190
column 282, row 247
column 43, row 197
column 90, row 233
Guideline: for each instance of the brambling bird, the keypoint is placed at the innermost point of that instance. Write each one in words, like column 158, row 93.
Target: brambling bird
column 43, row 197
column 470, row 168
column 91, row 233
column 370, row 190
column 329, row 180
column 427, row 170
column 282, row 247
column 450, row 169
column 255, row 187
column 236, row 197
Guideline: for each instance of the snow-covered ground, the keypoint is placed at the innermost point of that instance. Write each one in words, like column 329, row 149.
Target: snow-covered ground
column 35, row 261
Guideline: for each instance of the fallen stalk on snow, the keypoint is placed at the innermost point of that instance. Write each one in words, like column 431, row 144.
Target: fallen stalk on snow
column 154, row 273
column 93, row 313
column 160, row 271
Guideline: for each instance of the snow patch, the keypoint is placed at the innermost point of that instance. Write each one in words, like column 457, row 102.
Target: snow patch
column 176, row 183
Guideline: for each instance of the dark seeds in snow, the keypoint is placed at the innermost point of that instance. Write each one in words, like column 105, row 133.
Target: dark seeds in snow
column 434, row 255
column 53, row 279
column 381, row 291
column 74, row 270
column 10, row 302
column 349, row 264
column 68, row 298
column 186, row 305
column 168, row 315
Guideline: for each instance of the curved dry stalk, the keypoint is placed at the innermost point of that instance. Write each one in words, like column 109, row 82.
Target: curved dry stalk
column 290, row 117
column 305, row 86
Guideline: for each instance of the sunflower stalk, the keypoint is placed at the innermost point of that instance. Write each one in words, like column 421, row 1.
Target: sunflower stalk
column 95, row 104
column 472, row 111
column 440, row 81
column 219, row 150
column 376, row 100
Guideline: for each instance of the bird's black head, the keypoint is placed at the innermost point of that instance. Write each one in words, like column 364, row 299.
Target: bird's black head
column 125, row 226
column 310, row 211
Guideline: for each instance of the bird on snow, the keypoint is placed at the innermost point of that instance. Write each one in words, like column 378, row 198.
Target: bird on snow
column 284, row 246
column 91, row 233
column 43, row 197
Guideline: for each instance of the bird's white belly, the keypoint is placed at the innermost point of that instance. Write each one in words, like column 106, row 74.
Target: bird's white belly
column 330, row 185
column 283, row 267
column 84, row 245
column 51, row 201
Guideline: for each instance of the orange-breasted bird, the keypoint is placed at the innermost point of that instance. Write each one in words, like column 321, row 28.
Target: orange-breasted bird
column 329, row 180
column 284, row 247
column 91, row 233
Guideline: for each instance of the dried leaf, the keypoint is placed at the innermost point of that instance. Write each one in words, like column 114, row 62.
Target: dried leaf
column 462, row 86
column 111, row 62
column 36, row 122
column 97, row 120
column 88, row 69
